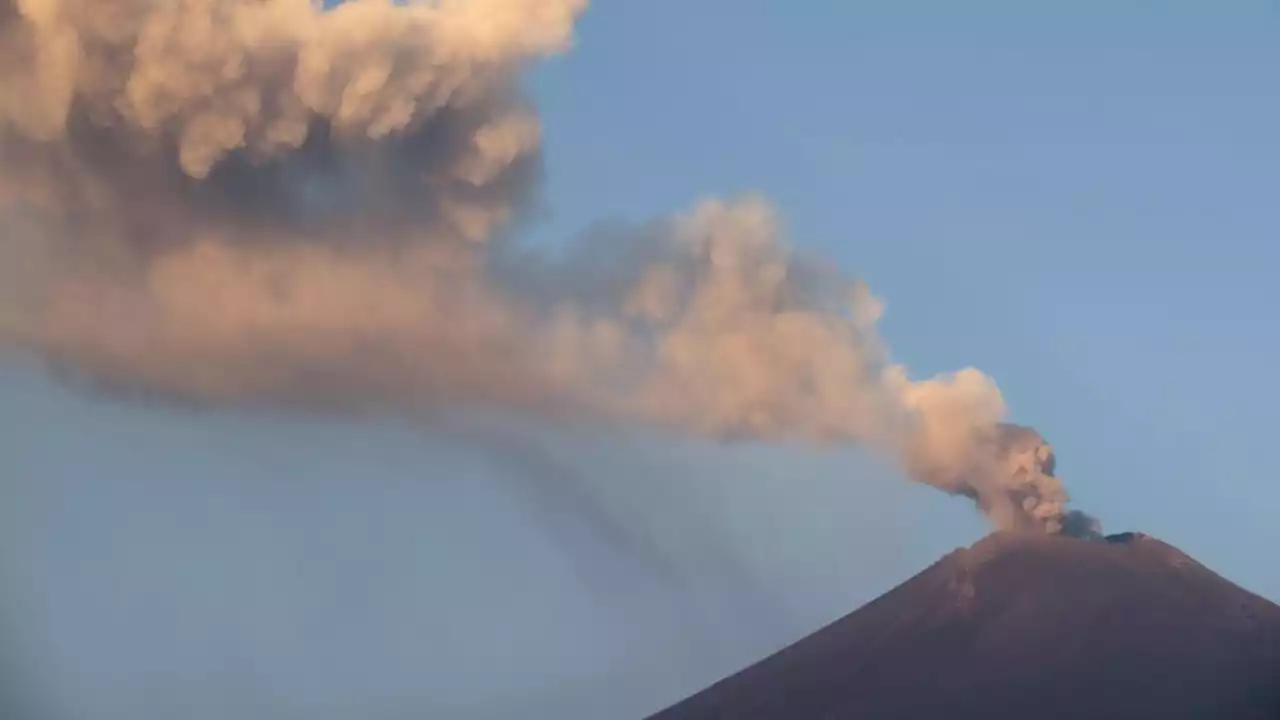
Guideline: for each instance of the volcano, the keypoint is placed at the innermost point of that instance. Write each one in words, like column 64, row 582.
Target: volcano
column 1028, row 626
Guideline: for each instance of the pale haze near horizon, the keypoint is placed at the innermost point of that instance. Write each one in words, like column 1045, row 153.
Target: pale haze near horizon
column 1079, row 204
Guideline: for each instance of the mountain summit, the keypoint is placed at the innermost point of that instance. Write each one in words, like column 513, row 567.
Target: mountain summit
column 1021, row 625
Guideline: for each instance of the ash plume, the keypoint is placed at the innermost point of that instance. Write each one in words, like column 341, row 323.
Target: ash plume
column 267, row 203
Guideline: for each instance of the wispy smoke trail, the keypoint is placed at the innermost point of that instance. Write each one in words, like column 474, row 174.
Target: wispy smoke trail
column 266, row 203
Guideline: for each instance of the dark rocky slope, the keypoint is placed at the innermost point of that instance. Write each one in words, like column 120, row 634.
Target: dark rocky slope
column 1028, row 626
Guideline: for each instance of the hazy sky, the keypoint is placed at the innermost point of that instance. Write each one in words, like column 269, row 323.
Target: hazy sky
column 1080, row 203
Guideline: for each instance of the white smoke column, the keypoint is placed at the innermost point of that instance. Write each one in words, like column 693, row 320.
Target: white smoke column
column 1013, row 481
column 265, row 203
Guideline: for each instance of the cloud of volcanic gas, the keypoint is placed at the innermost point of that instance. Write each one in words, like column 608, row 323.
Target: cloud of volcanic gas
column 268, row 203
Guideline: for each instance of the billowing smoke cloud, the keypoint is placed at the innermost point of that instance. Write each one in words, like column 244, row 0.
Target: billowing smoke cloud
column 268, row 203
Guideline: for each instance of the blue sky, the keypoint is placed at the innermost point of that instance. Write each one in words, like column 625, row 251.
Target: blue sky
column 1080, row 202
